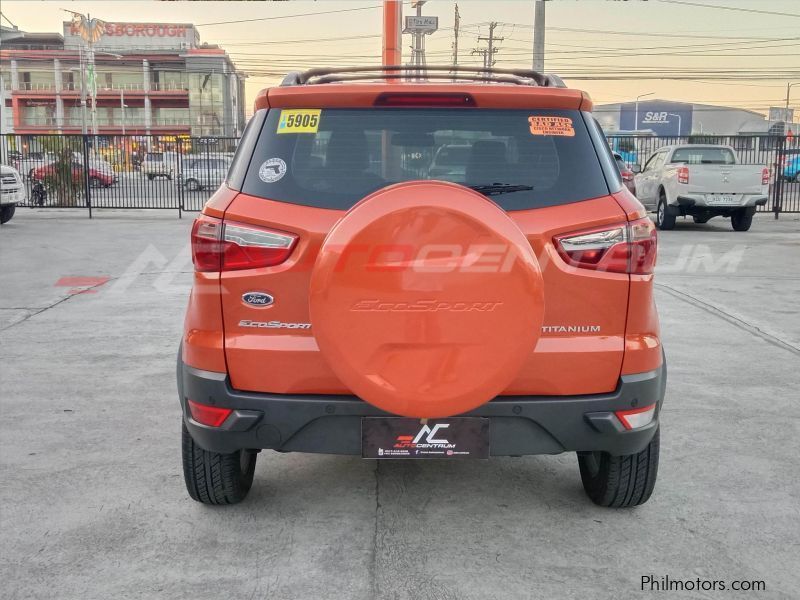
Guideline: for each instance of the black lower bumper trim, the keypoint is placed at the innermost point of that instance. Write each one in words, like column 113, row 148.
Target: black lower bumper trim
column 520, row 425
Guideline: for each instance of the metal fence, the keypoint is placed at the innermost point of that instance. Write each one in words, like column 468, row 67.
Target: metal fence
column 180, row 172
column 121, row 171
column 779, row 153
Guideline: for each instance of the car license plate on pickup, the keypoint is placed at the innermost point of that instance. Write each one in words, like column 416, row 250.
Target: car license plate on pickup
column 716, row 199
column 396, row 437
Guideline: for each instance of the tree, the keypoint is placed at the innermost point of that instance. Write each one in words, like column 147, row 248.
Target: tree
column 64, row 177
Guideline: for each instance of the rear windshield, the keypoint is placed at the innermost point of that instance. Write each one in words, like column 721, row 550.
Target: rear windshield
column 154, row 157
column 703, row 156
column 334, row 157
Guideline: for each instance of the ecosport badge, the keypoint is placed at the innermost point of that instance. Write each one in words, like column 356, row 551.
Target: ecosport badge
column 273, row 324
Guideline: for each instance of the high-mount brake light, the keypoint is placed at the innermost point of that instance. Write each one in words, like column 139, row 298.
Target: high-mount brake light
column 230, row 246
column 431, row 100
column 622, row 248
column 683, row 174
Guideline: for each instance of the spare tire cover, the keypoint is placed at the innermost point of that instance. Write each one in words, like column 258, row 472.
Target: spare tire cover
column 425, row 299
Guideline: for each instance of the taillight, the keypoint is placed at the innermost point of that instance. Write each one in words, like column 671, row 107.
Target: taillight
column 230, row 246
column 765, row 176
column 213, row 416
column 683, row 174
column 413, row 99
column 627, row 175
column 624, row 248
column 206, row 236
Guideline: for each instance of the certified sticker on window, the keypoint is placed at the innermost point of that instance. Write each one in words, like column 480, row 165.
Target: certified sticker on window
column 300, row 120
column 560, row 126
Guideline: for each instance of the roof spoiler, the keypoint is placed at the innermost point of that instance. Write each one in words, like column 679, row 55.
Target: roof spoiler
column 452, row 72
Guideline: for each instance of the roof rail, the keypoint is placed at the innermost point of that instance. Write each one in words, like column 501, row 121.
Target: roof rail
column 499, row 75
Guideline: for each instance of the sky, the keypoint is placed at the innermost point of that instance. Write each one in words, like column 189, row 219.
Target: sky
column 615, row 50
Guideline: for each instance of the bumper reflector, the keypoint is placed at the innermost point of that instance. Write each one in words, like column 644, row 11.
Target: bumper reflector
column 213, row 416
column 637, row 417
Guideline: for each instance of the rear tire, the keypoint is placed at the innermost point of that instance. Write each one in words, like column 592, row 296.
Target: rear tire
column 151, row 177
column 192, row 185
column 620, row 481
column 6, row 212
column 665, row 218
column 215, row 478
column 741, row 220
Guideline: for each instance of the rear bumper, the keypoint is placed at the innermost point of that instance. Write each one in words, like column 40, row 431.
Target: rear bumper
column 520, row 425
column 12, row 196
column 699, row 201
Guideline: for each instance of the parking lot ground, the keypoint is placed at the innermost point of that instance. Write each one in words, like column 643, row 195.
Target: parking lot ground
column 92, row 501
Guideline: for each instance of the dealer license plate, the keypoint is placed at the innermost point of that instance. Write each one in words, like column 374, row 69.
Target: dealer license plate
column 397, row 437
column 721, row 199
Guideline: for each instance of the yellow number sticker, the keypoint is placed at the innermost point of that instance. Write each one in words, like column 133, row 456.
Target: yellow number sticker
column 300, row 120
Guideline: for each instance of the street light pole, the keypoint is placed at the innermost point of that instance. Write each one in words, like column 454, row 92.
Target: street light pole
column 788, row 89
column 83, row 90
column 538, row 35
column 636, row 114
column 680, row 129
column 122, row 107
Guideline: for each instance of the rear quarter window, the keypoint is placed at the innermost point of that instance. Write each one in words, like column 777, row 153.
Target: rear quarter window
column 350, row 153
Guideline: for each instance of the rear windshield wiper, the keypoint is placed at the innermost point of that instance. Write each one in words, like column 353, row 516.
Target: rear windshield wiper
column 494, row 189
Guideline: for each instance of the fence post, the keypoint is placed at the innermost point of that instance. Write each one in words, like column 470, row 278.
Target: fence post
column 86, row 186
column 780, row 156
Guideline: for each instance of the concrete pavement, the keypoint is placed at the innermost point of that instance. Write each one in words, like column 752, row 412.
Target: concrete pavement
column 92, row 502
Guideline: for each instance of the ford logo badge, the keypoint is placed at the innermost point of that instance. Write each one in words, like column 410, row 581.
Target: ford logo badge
column 257, row 299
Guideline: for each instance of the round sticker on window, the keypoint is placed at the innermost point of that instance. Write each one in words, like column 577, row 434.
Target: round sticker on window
column 272, row 170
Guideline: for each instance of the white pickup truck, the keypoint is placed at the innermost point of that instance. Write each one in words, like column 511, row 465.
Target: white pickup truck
column 12, row 192
column 702, row 182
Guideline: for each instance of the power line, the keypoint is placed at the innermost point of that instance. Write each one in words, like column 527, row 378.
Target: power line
column 735, row 8
column 641, row 33
column 311, row 14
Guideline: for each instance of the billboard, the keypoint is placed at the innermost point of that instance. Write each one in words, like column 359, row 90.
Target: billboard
column 660, row 117
column 123, row 36
column 779, row 113
column 420, row 24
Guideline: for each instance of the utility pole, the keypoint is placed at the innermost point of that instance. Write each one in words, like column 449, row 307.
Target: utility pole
column 488, row 52
column 455, row 35
column 538, row 36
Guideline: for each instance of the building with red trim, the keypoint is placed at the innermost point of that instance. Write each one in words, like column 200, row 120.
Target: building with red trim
column 151, row 78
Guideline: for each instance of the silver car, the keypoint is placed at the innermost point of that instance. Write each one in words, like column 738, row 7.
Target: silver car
column 200, row 173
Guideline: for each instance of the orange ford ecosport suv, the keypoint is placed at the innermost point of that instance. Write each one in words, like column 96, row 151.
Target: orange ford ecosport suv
column 347, row 300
